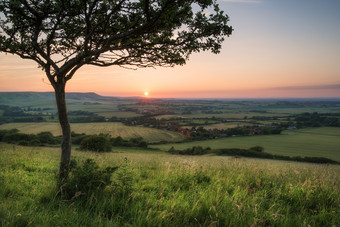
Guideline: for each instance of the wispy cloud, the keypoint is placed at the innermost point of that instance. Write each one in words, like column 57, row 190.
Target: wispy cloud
column 329, row 86
column 242, row 1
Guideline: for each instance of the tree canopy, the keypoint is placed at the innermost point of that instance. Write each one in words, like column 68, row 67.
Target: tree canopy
column 61, row 36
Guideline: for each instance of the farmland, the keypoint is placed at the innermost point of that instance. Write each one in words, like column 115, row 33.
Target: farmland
column 112, row 128
column 305, row 142
column 205, row 123
column 156, row 188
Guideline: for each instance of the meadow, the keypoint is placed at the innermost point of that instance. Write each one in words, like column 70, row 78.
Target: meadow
column 113, row 128
column 315, row 142
column 154, row 188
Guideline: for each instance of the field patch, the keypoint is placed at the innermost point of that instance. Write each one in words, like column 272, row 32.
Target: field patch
column 228, row 125
column 314, row 142
column 235, row 115
column 113, row 128
column 119, row 114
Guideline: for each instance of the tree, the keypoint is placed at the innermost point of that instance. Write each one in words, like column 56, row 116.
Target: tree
column 62, row 36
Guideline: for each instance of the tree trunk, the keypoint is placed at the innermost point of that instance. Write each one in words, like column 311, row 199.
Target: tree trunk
column 66, row 130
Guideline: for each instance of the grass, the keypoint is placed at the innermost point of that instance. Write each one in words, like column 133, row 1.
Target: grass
column 165, row 190
column 113, row 128
column 317, row 142
column 228, row 125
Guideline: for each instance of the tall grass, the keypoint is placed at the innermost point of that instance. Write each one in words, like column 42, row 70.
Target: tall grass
column 156, row 189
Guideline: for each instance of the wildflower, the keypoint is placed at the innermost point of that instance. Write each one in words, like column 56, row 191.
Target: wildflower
column 18, row 214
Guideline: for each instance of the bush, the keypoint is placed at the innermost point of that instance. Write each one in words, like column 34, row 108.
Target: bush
column 97, row 143
column 85, row 179
column 15, row 137
column 4, row 132
column 257, row 149
column 196, row 150
column 133, row 142
column 46, row 138
column 78, row 137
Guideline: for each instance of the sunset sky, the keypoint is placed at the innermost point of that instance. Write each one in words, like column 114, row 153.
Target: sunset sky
column 279, row 48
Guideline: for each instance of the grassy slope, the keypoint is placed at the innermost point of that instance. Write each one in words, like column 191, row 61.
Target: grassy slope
column 112, row 128
column 319, row 142
column 170, row 191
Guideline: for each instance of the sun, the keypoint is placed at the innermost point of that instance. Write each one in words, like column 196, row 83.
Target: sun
column 146, row 93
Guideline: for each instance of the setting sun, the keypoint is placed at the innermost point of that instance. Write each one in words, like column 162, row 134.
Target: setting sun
column 146, row 93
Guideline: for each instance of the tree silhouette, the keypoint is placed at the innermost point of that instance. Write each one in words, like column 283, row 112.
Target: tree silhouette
column 62, row 36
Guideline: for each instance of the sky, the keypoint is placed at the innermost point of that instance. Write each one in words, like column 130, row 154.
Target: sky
column 278, row 49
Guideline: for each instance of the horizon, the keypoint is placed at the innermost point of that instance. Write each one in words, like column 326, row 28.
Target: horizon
column 329, row 98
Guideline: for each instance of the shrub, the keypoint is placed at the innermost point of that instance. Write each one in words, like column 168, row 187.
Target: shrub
column 4, row 132
column 97, row 143
column 257, row 149
column 196, row 150
column 77, row 137
column 85, row 179
column 46, row 138
column 133, row 142
column 123, row 183
column 15, row 137
column 118, row 141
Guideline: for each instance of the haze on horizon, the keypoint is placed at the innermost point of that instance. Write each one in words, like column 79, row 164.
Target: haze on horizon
column 278, row 49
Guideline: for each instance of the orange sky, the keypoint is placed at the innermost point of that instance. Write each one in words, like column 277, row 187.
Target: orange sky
column 278, row 49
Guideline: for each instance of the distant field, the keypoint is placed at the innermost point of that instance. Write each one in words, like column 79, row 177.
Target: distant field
column 169, row 116
column 118, row 114
column 94, row 108
column 233, row 115
column 320, row 142
column 304, row 110
column 228, row 125
column 112, row 128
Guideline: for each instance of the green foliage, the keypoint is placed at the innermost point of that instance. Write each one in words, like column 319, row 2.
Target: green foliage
column 316, row 119
column 133, row 142
column 85, row 179
column 123, row 183
column 97, row 143
column 46, row 138
column 255, row 152
column 77, row 137
column 196, row 150
column 5, row 132
column 15, row 137
column 20, row 138
column 86, row 119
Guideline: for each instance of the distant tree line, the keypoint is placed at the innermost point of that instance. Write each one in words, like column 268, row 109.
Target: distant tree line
column 13, row 136
column 17, row 114
column 317, row 119
column 99, row 143
column 253, row 152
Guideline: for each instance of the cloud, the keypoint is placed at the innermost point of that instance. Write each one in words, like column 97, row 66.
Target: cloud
column 242, row 1
column 329, row 86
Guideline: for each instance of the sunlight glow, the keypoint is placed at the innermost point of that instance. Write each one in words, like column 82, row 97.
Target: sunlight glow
column 146, row 93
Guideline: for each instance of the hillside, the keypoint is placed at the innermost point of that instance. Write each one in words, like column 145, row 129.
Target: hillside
column 46, row 98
